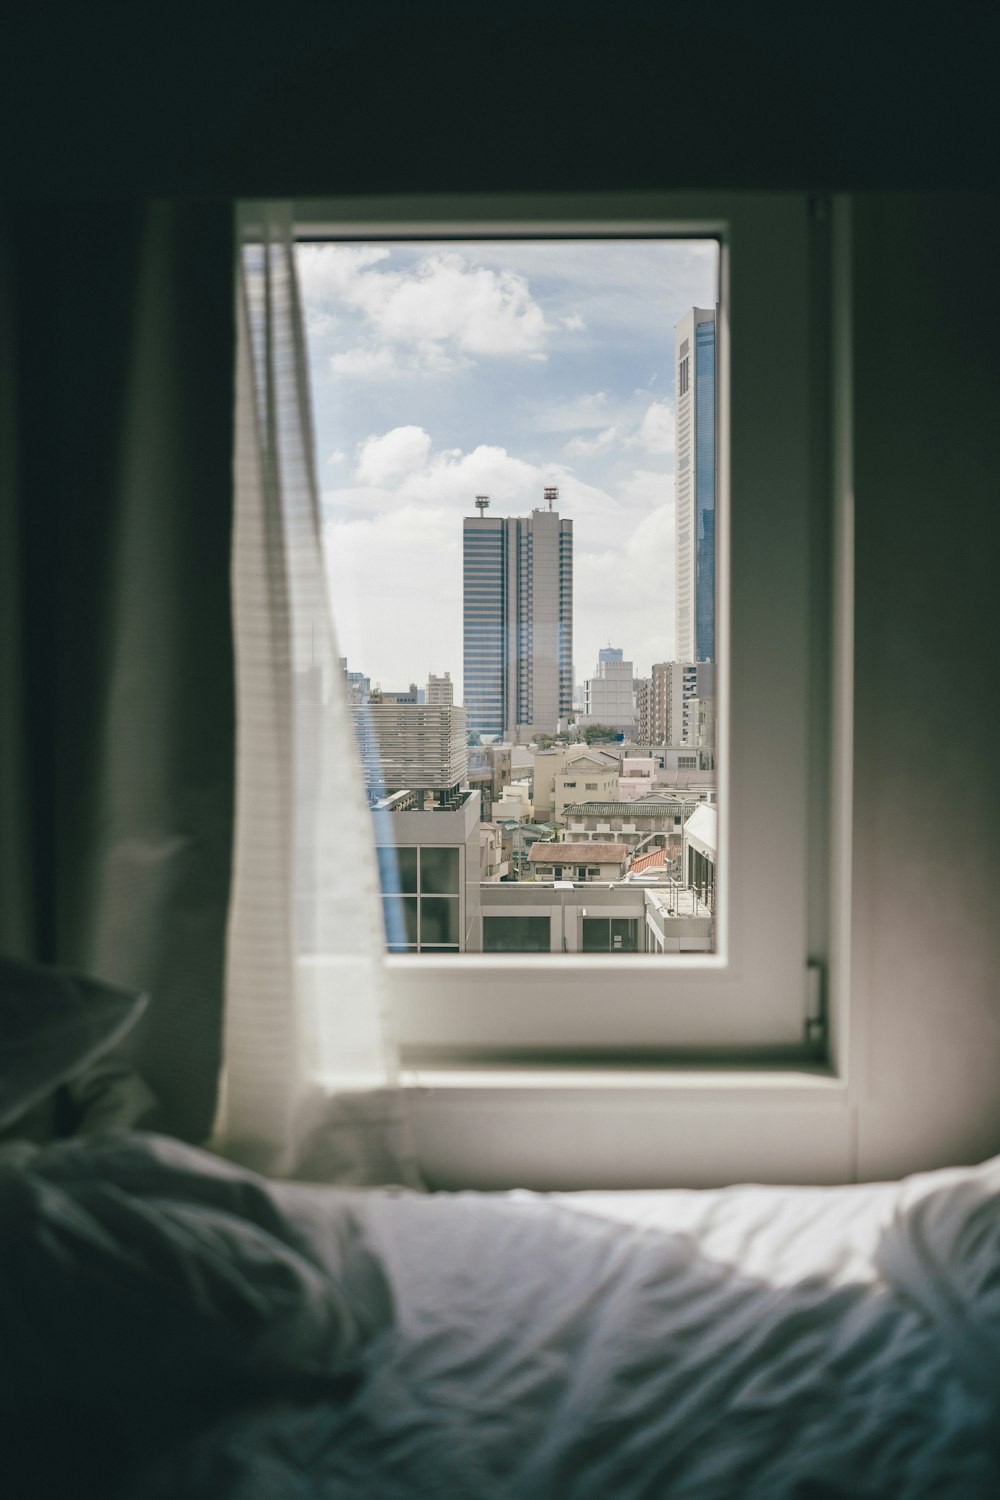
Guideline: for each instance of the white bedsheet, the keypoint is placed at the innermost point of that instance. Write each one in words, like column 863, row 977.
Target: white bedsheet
column 753, row 1342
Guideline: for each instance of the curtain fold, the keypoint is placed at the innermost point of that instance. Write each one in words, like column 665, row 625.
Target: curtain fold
column 116, row 773
column 311, row 1083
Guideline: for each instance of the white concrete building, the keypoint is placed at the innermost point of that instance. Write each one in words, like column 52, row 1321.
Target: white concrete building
column 584, row 777
column 514, row 802
column 430, row 871
column 440, row 691
column 638, row 773
column 700, row 846
column 412, row 746
column 551, row 764
column 609, row 695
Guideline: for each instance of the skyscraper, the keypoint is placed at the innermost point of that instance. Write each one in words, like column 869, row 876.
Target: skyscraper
column 518, row 621
column 696, row 406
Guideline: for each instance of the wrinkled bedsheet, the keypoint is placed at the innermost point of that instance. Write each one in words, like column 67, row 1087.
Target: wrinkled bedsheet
column 206, row 1333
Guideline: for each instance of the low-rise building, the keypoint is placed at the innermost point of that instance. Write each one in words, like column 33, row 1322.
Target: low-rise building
column 638, row 772
column 413, row 747
column 550, row 764
column 515, row 803
column 494, row 849
column 630, row 823
column 430, row 868
column 582, row 861
column 489, row 772
column 700, row 845
column 587, row 775
column 568, row 917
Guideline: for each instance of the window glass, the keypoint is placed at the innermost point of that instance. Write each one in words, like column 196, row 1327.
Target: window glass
column 397, row 868
column 439, row 871
column 400, row 922
column 517, row 444
column 516, row 934
column 439, row 919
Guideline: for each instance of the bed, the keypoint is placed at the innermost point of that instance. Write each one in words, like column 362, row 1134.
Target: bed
column 174, row 1325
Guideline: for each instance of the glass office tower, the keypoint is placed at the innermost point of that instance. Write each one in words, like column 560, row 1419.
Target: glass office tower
column 518, row 622
column 696, row 396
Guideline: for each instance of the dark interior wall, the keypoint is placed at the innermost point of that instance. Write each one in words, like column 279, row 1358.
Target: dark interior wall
column 407, row 95
column 927, row 747
column 120, row 101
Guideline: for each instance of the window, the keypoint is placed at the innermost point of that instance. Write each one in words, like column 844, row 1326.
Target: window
column 421, row 898
column 770, row 452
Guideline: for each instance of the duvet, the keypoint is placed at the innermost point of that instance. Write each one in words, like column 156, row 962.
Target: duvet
column 171, row 1325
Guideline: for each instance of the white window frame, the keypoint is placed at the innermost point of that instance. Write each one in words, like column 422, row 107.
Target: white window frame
column 783, row 599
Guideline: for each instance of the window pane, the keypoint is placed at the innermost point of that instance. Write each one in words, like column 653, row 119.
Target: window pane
column 439, row 919
column 397, row 869
column 624, row 935
column 439, row 871
column 584, row 375
column 516, row 934
column 407, row 870
column 400, row 921
column 596, row 935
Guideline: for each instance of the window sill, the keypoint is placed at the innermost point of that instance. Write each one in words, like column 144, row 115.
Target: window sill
column 672, row 1084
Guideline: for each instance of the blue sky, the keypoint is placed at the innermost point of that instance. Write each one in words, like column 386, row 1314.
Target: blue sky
column 443, row 371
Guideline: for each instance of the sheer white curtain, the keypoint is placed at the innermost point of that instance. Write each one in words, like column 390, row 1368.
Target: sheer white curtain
column 310, row 1085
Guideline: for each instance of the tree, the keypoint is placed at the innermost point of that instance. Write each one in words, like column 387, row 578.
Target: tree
column 473, row 737
column 592, row 732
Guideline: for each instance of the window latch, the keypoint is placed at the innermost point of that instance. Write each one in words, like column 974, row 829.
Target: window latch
column 815, row 1021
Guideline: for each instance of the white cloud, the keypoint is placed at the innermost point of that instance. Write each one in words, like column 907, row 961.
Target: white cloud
column 395, row 544
column 575, row 414
column 574, row 323
column 656, row 431
column 397, row 452
column 337, row 457
column 364, row 364
column 580, row 447
column 445, row 302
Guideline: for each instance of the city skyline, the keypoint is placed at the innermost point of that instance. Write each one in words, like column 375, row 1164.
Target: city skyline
column 440, row 372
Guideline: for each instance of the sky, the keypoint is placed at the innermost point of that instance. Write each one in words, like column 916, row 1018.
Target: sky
column 441, row 371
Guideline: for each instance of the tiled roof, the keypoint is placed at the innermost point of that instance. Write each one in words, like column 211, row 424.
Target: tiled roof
column 648, row 861
column 639, row 807
column 578, row 854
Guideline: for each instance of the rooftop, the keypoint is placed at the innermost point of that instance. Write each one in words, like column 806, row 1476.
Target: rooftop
column 584, row 854
column 648, row 861
column 636, row 807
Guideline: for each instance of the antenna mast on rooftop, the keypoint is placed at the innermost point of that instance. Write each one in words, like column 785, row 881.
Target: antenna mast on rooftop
column 551, row 493
column 481, row 503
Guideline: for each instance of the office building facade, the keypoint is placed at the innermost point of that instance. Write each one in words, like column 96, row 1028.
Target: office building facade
column 518, row 622
column 440, row 691
column 696, row 405
column 610, row 693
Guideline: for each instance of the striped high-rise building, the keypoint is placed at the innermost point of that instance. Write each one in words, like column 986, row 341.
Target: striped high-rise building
column 518, row 621
column 696, row 484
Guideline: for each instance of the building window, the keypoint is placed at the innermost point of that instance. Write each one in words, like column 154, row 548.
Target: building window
column 610, row 935
column 516, row 934
column 423, row 906
column 749, row 990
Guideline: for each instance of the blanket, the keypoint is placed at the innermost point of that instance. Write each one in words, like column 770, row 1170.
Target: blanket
column 172, row 1325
